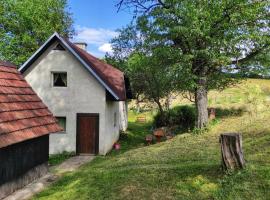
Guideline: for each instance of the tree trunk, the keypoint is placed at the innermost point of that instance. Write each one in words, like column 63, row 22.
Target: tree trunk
column 231, row 150
column 201, row 102
column 168, row 102
column 160, row 110
column 159, row 107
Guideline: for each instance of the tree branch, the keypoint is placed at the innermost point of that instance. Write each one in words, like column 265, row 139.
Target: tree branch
column 140, row 5
column 250, row 56
column 119, row 5
column 163, row 4
column 189, row 96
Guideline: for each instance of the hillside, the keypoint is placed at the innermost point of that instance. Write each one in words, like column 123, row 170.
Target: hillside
column 188, row 166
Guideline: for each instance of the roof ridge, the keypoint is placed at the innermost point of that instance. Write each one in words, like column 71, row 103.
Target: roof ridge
column 114, row 77
column 100, row 60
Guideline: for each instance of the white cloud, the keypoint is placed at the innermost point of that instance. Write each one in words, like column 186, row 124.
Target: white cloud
column 94, row 36
column 96, row 54
column 106, row 48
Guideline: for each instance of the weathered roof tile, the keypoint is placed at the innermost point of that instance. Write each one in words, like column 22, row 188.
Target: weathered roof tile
column 110, row 75
column 23, row 115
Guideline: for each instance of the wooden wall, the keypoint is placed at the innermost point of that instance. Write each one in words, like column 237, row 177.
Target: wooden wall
column 18, row 159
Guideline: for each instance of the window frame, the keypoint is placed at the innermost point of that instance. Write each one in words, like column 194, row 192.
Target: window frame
column 64, row 128
column 52, row 78
column 59, row 47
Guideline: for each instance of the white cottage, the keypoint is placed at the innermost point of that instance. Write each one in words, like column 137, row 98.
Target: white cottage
column 84, row 93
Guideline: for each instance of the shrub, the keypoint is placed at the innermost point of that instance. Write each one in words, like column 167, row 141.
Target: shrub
column 182, row 116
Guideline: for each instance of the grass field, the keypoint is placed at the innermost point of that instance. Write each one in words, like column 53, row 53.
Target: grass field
column 188, row 166
column 57, row 159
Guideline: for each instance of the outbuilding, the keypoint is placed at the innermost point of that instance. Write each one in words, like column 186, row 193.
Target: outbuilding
column 87, row 95
column 25, row 125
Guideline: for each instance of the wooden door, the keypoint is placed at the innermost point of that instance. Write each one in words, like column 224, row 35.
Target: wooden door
column 87, row 133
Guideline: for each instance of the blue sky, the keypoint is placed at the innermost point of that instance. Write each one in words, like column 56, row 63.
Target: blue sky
column 95, row 23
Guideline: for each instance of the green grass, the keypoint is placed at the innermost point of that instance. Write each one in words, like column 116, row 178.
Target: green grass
column 186, row 167
column 57, row 159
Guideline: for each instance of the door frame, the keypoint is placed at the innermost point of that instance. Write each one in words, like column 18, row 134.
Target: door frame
column 97, row 126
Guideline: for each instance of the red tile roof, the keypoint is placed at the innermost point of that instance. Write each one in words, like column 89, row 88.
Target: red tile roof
column 23, row 115
column 113, row 77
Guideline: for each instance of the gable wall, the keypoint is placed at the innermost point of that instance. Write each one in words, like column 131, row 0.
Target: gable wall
column 84, row 94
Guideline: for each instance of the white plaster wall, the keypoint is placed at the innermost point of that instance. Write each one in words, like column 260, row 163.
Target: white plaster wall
column 83, row 94
column 112, row 126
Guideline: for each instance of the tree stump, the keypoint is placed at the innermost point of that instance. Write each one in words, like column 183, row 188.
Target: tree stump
column 149, row 139
column 231, row 150
column 159, row 133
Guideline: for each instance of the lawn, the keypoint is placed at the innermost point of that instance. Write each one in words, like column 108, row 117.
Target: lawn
column 57, row 159
column 186, row 167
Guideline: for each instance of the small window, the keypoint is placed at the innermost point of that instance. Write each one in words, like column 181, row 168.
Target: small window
column 114, row 120
column 62, row 122
column 59, row 79
column 59, row 47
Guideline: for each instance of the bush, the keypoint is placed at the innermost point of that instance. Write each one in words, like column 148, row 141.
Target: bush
column 182, row 116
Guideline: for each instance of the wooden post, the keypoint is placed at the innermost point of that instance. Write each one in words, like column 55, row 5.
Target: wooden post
column 231, row 150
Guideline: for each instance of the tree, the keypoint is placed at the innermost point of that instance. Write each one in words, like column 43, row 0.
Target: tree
column 151, row 76
column 26, row 25
column 212, row 40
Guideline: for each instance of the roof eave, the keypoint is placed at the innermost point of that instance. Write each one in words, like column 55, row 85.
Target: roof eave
column 89, row 68
column 31, row 60
column 24, row 67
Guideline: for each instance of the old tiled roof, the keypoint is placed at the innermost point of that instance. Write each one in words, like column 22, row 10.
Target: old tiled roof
column 23, row 115
column 111, row 78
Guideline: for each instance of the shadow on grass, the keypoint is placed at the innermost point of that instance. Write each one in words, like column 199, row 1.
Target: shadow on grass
column 225, row 112
column 109, row 182
column 134, row 137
